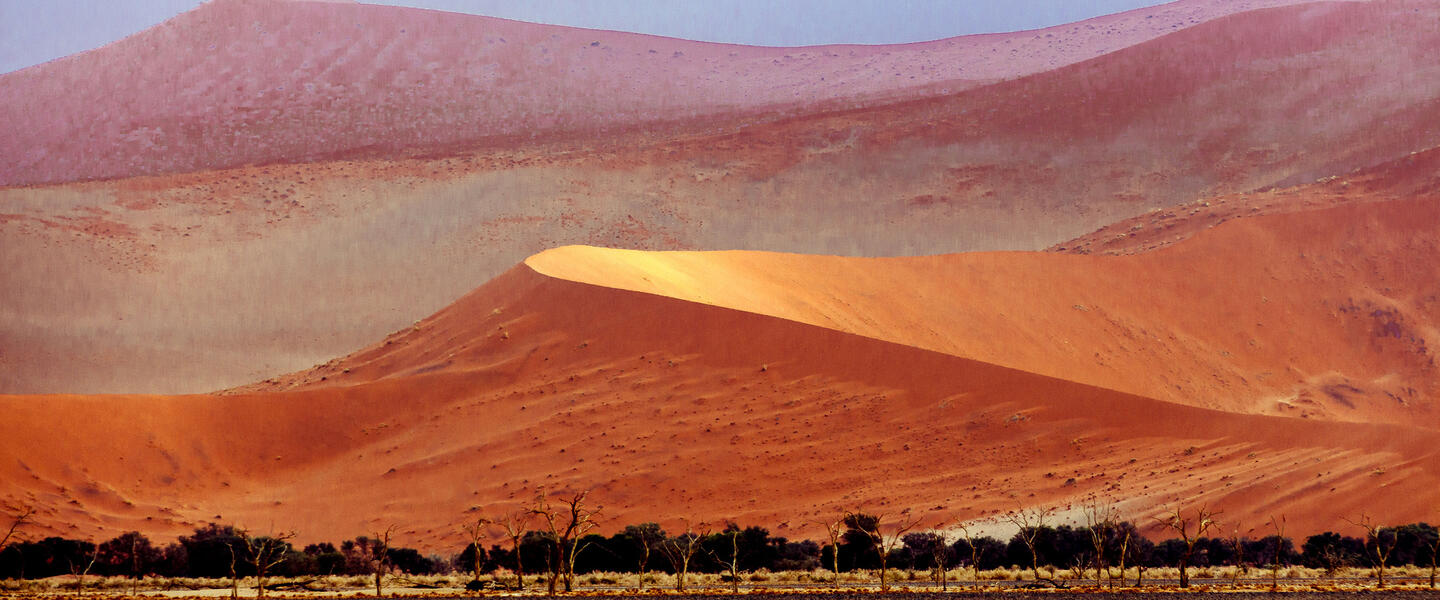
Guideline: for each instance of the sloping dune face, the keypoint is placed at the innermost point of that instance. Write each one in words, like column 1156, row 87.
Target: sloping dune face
column 1327, row 314
column 201, row 281
column 672, row 409
column 258, row 81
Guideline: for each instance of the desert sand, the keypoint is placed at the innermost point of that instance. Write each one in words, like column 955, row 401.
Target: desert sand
column 239, row 82
column 191, row 282
column 635, row 375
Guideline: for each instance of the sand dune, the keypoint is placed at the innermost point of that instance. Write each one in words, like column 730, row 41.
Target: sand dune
column 675, row 396
column 689, row 428
column 1324, row 313
column 1252, row 326
column 195, row 282
column 240, row 82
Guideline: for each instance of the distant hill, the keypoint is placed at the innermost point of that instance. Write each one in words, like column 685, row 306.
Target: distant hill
column 239, row 82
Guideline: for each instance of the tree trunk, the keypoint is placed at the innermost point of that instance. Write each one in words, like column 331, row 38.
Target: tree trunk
column 644, row 560
column 569, row 576
column 552, row 572
column 883, row 586
column 1184, row 577
column 519, row 568
column 378, row 575
column 1124, row 547
column 835, row 563
column 135, row 558
column 735, row 562
column 234, row 581
column 477, row 560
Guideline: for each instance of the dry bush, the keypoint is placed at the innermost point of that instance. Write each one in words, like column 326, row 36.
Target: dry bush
column 1002, row 575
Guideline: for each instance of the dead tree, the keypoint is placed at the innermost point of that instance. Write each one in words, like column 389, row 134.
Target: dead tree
column 1134, row 551
column 581, row 520
column 23, row 515
column 1100, row 522
column 940, row 554
column 477, row 532
column 514, row 525
column 1279, row 526
column 886, row 541
column 1190, row 530
column 975, row 551
column 380, row 558
column 834, row 529
column 264, row 553
column 680, row 549
column 79, row 572
column 1237, row 545
column 1125, row 531
column 567, row 525
column 732, row 561
column 1030, row 521
column 647, row 534
column 234, row 574
column 1380, row 541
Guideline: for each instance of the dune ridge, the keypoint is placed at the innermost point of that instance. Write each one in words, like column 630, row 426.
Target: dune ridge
column 670, row 410
column 240, row 82
column 1201, row 323
column 169, row 267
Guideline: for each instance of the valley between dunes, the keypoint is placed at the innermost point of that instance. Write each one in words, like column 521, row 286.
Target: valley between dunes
column 779, row 389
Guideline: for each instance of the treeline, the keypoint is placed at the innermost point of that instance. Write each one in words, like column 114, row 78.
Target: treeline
column 213, row 551
column 218, row 551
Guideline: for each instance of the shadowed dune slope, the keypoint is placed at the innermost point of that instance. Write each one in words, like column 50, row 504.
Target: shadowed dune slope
column 670, row 409
column 258, row 81
column 196, row 282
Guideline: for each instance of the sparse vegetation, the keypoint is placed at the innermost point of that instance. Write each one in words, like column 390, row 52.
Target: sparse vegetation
column 863, row 550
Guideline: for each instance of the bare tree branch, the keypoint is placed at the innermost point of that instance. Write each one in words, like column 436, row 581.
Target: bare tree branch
column 886, row 542
column 22, row 517
column 1030, row 521
column 1380, row 541
column 1203, row 520
column 681, row 548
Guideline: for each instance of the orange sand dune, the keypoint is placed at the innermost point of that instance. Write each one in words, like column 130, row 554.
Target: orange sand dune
column 671, row 405
column 1326, row 313
column 673, row 410
column 196, row 282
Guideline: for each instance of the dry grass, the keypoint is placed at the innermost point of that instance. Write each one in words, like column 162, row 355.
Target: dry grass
column 1214, row 578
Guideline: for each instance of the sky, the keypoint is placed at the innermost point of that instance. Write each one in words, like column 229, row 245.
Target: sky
column 35, row 31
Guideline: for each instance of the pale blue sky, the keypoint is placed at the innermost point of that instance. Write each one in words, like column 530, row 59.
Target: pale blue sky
column 34, row 31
